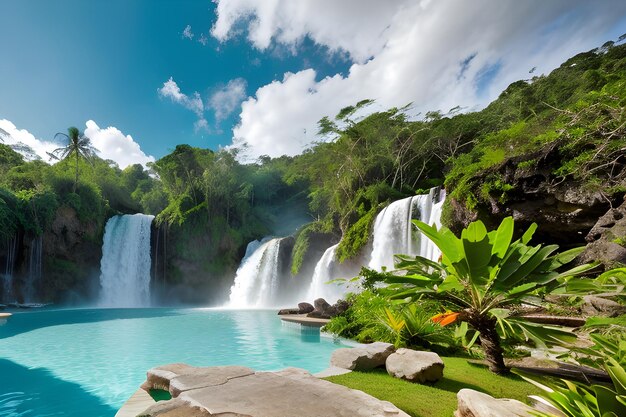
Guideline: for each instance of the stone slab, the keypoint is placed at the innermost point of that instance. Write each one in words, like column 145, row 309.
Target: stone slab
column 304, row 320
column 288, row 393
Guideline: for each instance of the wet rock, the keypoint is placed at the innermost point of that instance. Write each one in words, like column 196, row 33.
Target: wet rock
column 472, row 403
column 415, row 366
column 305, row 308
column 362, row 358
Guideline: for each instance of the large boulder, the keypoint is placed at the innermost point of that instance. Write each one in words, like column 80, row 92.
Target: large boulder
column 362, row 358
column 323, row 310
column 415, row 366
column 473, row 403
column 305, row 308
column 291, row 392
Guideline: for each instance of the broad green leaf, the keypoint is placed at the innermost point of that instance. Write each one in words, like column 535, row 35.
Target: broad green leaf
column 503, row 238
column 529, row 234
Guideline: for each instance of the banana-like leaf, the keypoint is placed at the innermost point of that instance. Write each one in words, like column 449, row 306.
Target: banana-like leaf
column 528, row 234
column 503, row 237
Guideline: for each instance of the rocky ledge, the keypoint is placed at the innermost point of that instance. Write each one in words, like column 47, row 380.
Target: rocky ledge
column 239, row 391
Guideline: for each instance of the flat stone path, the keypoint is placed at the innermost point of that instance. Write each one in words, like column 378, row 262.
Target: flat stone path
column 137, row 403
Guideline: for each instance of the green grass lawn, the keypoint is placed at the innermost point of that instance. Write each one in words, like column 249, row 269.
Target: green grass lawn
column 439, row 399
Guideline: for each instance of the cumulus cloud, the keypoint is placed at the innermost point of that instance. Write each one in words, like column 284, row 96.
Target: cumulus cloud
column 25, row 142
column 225, row 100
column 435, row 54
column 113, row 144
column 110, row 142
column 193, row 102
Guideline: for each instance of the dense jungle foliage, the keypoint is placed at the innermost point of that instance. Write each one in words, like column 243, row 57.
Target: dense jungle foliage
column 573, row 118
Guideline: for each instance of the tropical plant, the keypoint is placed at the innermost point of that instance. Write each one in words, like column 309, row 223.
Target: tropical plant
column 481, row 277
column 78, row 145
column 575, row 399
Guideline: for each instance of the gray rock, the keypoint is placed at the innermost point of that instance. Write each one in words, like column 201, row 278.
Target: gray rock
column 288, row 393
column 362, row 358
column 472, row 403
column 415, row 366
column 598, row 306
column 287, row 311
column 305, row 308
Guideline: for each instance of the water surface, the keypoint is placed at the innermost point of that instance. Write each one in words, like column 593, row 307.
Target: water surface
column 88, row 362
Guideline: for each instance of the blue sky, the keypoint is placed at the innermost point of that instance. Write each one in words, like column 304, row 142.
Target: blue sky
column 67, row 62
column 76, row 60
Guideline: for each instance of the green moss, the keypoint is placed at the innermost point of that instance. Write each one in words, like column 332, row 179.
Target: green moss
column 356, row 236
column 438, row 399
column 301, row 246
column 620, row 241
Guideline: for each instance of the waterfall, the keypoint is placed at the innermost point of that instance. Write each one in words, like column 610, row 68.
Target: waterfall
column 258, row 277
column 34, row 269
column 395, row 234
column 7, row 277
column 324, row 272
column 125, row 264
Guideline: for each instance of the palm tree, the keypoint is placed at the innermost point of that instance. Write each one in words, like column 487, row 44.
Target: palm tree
column 78, row 145
column 482, row 277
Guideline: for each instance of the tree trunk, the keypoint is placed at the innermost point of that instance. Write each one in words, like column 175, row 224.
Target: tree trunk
column 490, row 343
column 76, row 177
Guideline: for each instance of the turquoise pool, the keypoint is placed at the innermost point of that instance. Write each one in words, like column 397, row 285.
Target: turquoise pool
column 88, row 362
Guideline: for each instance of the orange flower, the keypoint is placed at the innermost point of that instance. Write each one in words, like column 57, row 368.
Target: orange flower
column 445, row 318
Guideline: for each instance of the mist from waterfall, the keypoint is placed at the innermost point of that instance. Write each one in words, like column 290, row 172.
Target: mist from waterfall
column 125, row 265
column 394, row 232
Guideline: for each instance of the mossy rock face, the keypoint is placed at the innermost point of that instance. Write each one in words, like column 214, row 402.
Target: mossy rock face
column 565, row 212
column 608, row 239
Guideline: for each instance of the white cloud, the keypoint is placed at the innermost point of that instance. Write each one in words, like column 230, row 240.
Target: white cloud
column 187, row 33
column 194, row 102
column 113, row 144
column 203, row 39
column 226, row 100
column 20, row 137
column 417, row 51
column 110, row 142
column 356, row 26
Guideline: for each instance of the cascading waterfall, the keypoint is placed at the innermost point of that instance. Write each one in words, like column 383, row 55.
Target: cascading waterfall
column 258, row 277
column 35, row 269
column 125, row 265
column 395, row 234
column 324, row 272
column 7, row 276
column 257, row 282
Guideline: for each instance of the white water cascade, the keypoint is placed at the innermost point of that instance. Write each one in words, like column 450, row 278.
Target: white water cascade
column 324, row 272
column 126, row 262
column 35, row 258
column 258, row 277
column 395, row 234
column 7, row 276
